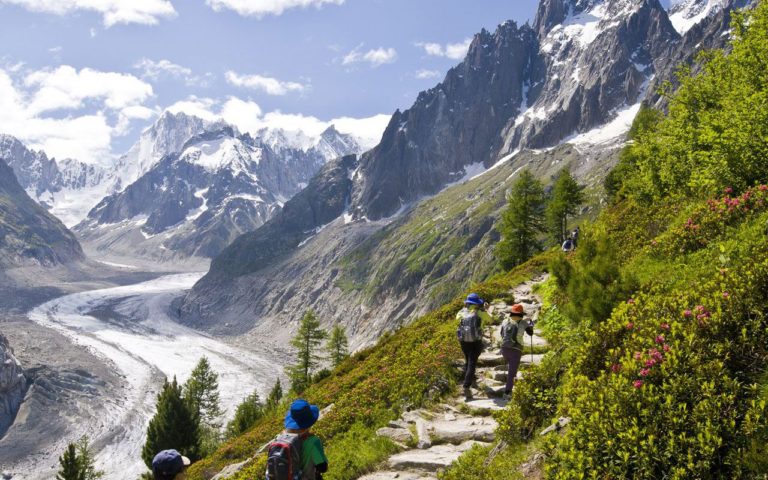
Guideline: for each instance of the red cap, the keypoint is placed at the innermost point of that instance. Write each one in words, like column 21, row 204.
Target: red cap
column 516, row 309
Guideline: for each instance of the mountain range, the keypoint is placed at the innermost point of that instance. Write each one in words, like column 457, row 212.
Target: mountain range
column 575, row 77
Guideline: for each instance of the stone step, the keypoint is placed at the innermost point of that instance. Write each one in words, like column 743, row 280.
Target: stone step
column 463, row 429
column 493, row 404
column 392, row 475
column 430, row 460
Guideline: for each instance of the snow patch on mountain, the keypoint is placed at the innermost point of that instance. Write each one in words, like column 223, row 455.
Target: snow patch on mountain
column 612, row 132
column 685, row 14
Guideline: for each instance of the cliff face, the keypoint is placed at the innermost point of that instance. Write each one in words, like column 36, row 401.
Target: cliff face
column 13, row 385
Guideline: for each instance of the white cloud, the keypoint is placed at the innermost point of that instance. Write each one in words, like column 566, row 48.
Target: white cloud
column 427, row 74
column 67, row 88
column 376, row 57
column 247, row 116
column 268, row 85
column 147, row 12
column 260, row 8
column 454, row 51
column 112, row 100
column 157, row 69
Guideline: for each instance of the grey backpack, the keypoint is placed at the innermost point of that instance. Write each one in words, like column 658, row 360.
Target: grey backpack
column 468, row 327
column 509, row 333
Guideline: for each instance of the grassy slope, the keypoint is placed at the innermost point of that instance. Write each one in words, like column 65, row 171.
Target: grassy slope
column 409, row 368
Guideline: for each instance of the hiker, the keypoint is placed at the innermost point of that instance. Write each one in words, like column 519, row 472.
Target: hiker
column 169, row 465
column 568, row 245
column 575, row 237
column 296, row 454
column 512, row 342
column 471, row 338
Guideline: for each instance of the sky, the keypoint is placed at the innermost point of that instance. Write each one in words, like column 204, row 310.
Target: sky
column 83, row 78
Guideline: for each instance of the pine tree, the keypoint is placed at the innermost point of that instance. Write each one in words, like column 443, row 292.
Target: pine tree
column 564, row 201
column 521, row 222
column 275, row 395
column 307, row 342
column 86, row 460
column 246, row 415
column 338, row 345
column 174, row 426
column 201, row 393
column 70, row 465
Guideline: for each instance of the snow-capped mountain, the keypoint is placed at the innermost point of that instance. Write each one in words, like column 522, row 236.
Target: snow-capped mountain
column 560, row 92
column 218, row 185
column 684, row 14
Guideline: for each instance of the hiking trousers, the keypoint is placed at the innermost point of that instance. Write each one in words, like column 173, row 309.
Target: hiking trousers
column 512, row 356
column 472, row 351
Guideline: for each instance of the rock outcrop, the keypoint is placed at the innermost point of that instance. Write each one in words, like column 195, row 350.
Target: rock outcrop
column 13, row 385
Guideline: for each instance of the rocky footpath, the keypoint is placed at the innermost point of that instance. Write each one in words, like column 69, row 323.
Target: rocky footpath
column 13, row 385
column 431, row 440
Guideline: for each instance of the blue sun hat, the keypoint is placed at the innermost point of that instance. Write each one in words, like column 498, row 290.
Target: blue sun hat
column 474, row 299
column 168, row 463
column 302, row 415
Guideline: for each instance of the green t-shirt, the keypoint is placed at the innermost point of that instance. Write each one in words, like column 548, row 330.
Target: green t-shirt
column 312, row 454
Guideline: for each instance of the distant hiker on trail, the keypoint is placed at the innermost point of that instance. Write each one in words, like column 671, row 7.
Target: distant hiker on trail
column 512, row 342
column 568, row 245
column 296, row 454
column 470, row 335
column 575, row 237
column 169, row 465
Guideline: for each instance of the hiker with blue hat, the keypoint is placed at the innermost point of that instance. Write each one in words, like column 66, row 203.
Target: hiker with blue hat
column 470, row 335
column 169, row 465
column 296, row 454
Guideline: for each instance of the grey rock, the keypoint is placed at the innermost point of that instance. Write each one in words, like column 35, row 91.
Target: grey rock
column 13, row 385
column 557, row 426
column 231, row 470
column 402, row 435
column 429, row 460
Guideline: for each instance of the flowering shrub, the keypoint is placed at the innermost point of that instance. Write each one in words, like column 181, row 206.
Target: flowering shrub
column 667, row 398
column 709, row 221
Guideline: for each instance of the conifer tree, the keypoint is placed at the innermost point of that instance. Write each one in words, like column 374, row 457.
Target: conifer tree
column 521, row 222
column 86, row 460
column 275, row 395
column 70, row 465
column 565, row 200
column 338, row 345
column 174, row 426
column 246, row 415
column 307, row 342
column 201, row 392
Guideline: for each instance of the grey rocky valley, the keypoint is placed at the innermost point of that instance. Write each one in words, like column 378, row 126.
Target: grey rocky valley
column 369, row 236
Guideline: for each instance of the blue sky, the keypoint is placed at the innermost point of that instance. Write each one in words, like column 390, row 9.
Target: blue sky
column 82, row 81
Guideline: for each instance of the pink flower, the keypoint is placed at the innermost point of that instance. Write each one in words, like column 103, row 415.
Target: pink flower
column 664, row 326
column 631, row 301
column 645, row 372
column 630, row 326
column 666, row 347
column 726, row 295
column 656, row 355
column 700, row 308
column 638, row 355
column 650, row 362
column 729, row 190
column 660, row 339
column 687, row 314
column 615, row 368
column 637, row 383
column 763, row 188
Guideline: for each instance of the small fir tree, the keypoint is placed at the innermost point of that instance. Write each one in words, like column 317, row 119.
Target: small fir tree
column 201, row 392
column 275, row 395
column 174, row 426
column 338, row 345
column 307, row 342
column 521, row 222
column 70, row 465
column 86, row 460
column 246, row 415
column 565, row 200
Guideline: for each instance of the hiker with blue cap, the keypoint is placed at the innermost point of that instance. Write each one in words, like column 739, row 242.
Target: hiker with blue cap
column 296, row 454
column 470, row 335
column 169, row 465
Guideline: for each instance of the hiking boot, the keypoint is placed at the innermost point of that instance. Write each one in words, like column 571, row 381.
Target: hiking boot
column 467, row 393
column 507, row 396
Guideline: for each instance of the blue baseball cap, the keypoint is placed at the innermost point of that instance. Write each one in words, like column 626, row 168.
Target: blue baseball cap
column 301, row 415
column 474, row 299
column 168, row 463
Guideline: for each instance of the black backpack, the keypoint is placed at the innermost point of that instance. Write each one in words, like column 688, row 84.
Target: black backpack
column 509, row 333
column 468, row 330
column 284, row 457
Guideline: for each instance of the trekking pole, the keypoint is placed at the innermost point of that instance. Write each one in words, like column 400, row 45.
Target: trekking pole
column 532, row 324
